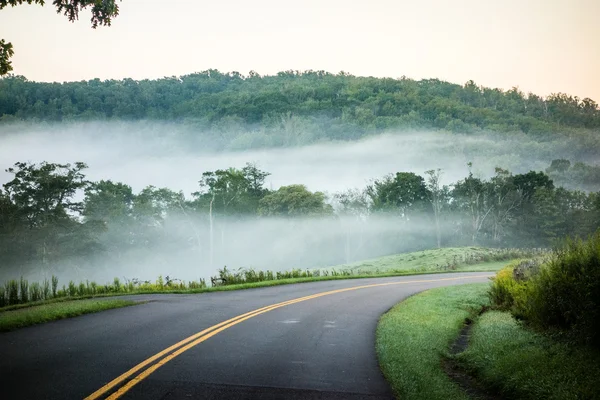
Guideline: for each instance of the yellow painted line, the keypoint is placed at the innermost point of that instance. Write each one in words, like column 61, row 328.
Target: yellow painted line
column 144, row 363
column 186, row 344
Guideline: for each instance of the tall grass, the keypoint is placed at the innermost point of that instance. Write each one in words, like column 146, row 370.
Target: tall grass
column 14, row 292
column 239, row 276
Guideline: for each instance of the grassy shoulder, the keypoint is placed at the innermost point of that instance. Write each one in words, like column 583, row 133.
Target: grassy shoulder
column 414, row 335
column 10, row 320
column 483, row 267
column 523, row 364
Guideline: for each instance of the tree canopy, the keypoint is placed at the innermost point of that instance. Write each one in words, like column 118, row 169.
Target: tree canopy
column 294, row 107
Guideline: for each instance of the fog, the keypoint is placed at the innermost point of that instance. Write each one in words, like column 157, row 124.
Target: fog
column 164, row 155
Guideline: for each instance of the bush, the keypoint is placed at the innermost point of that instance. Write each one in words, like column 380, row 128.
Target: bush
column 567, row 291
column 563, row 294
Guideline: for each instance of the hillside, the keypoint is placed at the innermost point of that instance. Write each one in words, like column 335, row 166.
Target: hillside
column 300, row 107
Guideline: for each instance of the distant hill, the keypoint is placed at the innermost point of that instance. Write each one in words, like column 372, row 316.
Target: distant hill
column 331, row 106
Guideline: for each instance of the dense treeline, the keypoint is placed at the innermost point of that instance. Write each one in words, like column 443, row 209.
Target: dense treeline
column 52, row 217
column 301, row 106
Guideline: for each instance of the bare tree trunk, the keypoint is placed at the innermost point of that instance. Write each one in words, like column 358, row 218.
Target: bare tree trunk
column 212, row 241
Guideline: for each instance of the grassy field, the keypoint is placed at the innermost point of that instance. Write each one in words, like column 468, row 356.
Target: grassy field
column 450, row 258
column 10, row 320
column 413, row 336
column 525, row 365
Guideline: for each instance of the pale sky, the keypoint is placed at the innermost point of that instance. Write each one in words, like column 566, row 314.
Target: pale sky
column 543, row 46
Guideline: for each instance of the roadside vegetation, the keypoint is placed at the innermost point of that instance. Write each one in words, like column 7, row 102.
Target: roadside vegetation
column 544, row 339
column 16, row 294
column 14, row 319
column 414, row 335
column 520, row 363
column 53, row 220
column 535, row 332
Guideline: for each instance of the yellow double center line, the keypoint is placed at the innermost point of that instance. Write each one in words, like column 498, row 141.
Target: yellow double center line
column 186, row 344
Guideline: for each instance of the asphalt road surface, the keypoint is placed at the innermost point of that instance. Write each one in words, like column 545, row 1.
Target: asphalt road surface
column 322, row 347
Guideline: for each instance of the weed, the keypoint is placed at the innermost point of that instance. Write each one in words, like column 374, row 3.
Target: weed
column 24, row 290
column 13, row 292
column 72, row 289
column 46, row 289
column 54, row 285
column 35, row 291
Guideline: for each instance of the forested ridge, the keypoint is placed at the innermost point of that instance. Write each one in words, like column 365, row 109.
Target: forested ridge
column 340, row 106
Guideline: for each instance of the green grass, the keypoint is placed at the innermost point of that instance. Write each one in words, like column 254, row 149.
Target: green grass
column 10, row 320
column 450, row 258
column 413, row 337
column 526, row 365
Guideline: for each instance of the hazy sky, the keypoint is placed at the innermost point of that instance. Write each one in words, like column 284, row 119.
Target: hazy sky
column 542, row 46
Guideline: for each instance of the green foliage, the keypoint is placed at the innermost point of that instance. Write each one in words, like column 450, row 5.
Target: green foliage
column 522, row 364
column 72, row 289
column 561, row 295
column 294, row 201
column 413, row 336
column 300, row 107
column 405, row 192
column 35, row 292
column 6, row 52
column 54, row 285
column 10, row 320
column 24, row 290
column 13, row 292
column 42, row 224
column 46, row 289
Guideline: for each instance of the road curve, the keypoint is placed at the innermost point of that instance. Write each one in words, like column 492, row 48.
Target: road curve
column 319, row 348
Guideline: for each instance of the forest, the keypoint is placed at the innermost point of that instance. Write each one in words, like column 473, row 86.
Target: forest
column 303, row 107
column 54, row 220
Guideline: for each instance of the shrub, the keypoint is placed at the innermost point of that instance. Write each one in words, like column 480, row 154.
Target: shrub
column 562, row 294
column 117, row 284
column 566, row 293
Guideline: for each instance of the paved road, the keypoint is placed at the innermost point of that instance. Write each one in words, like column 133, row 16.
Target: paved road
column 320, row 348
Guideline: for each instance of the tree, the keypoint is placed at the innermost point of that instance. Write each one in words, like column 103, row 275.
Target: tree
column 43, row 200
column 6, row 52
column 405, row 192
column 230, row 192
column 504, row 199
column 353, row 202
column 102, row 14
column 44, row 193
column 438, row 198
column 470, row 196
column 294, row 201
